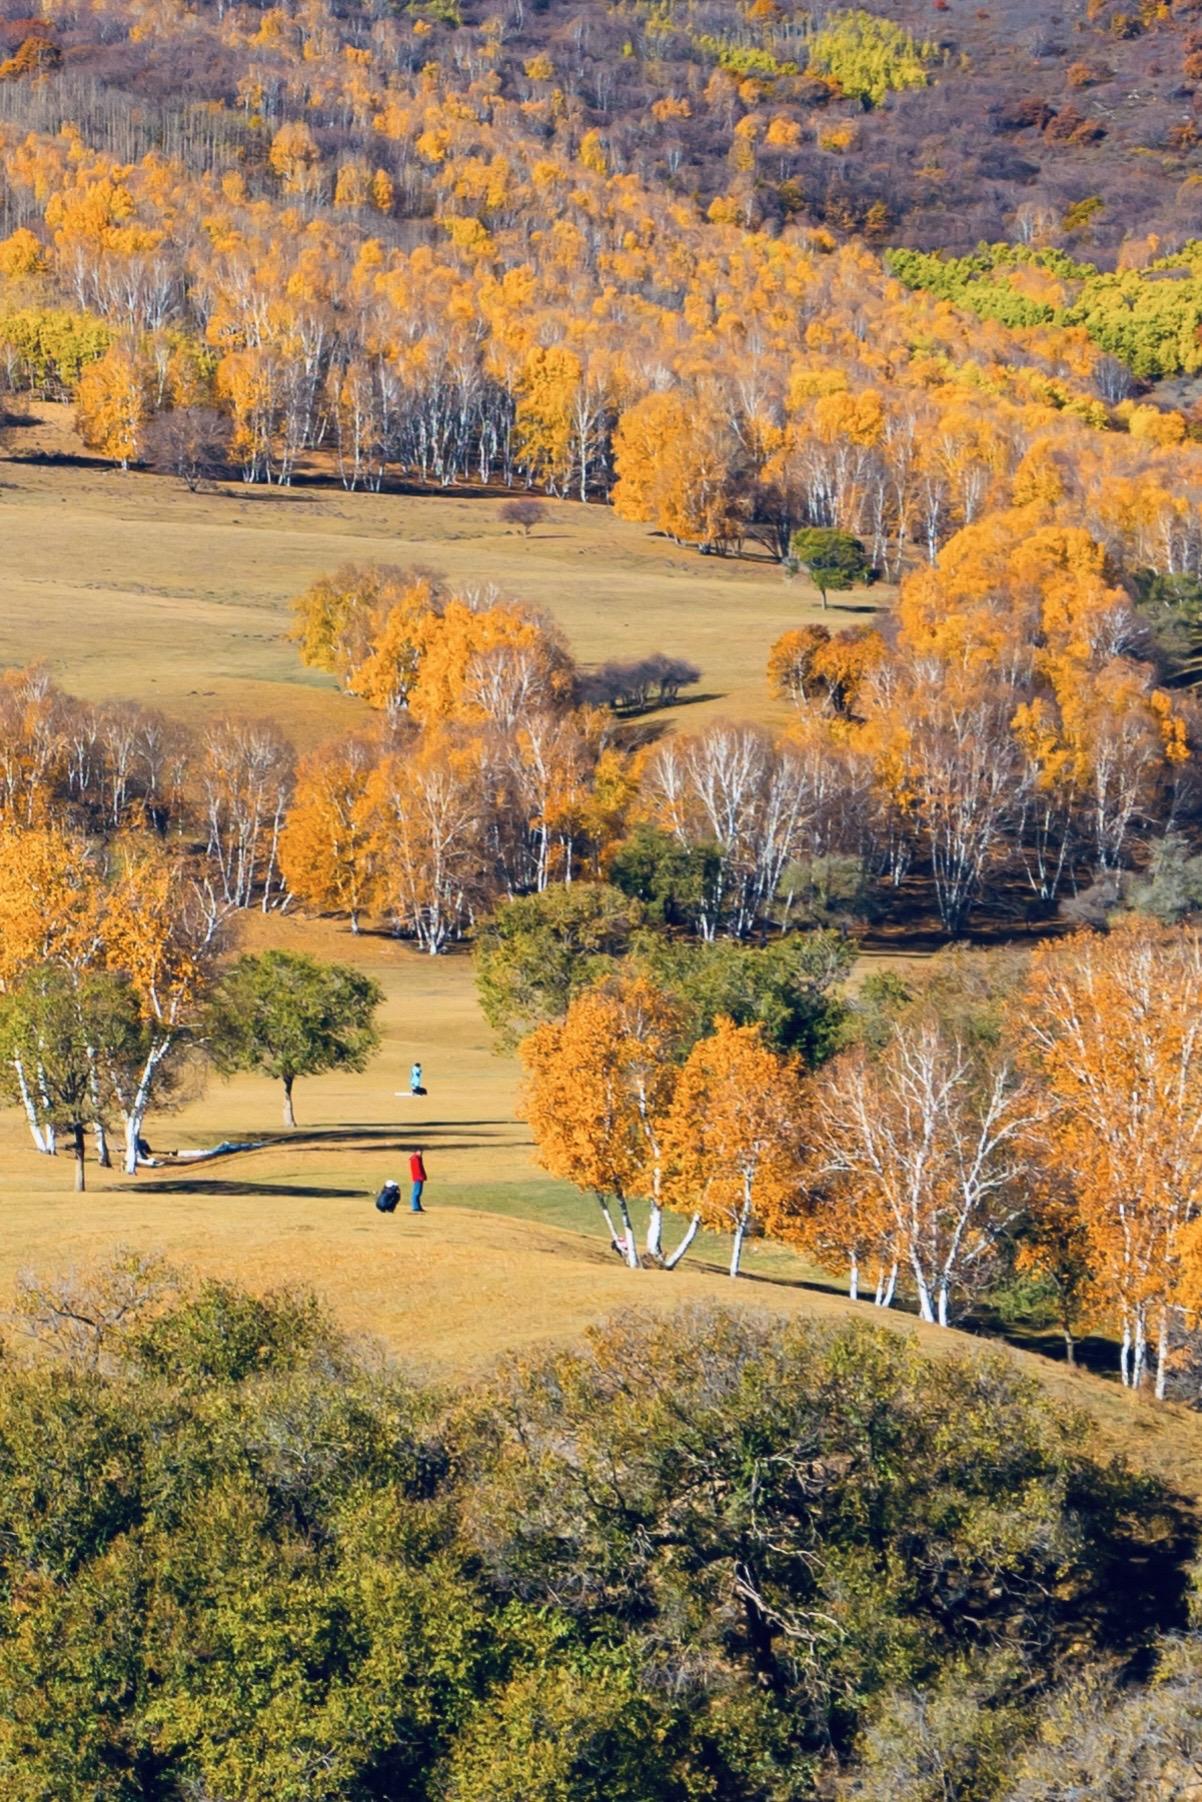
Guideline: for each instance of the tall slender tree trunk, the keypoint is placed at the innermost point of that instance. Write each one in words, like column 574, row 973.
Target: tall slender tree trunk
column 1162, row 1353
column 1139, row 1348
column 687, row 1237
column 77, row 1136
column 289, row 1115
column 925, row 1309
column 736, row 1249
column 31, row 1112
column 609, row 1224
column 853, row 1279
column 98, row 1128
column 141, row 1101
column 630, row 1249
column 49, row 1130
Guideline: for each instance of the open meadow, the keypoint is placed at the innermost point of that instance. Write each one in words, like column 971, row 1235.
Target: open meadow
column 127, row 586
column 141, row 589
column 505, row 1260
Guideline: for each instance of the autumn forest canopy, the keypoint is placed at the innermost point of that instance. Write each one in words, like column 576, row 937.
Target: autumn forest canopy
column 866, row 341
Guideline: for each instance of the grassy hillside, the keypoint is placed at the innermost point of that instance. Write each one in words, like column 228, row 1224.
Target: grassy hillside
column 504, row 1261
column 181, row 600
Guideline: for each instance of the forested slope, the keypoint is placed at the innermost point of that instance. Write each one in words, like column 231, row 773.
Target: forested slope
column 936, row 126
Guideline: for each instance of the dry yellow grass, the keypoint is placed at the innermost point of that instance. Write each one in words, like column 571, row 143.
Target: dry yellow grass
column 128, row 586
column 450, row 1290
column 453, row 1291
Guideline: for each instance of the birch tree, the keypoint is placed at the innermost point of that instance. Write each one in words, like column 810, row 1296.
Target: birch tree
column 327, row 854
column 599, row 1088
column 51, row 915
column 582, row 1114
column 246, row 775
column 429, row 811
column 928, row 1139
column 163, row 930
column 1113, row 1027
column 732, row 1140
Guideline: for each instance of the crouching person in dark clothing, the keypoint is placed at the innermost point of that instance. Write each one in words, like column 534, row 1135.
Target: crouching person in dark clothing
column 388, row 1197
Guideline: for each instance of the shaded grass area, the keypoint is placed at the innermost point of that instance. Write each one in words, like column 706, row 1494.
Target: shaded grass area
column 559, row 1205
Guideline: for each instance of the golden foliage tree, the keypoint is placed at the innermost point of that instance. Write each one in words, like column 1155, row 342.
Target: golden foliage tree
column 599, row 1086
column 112, row 403
column 1113, row 1027
column 327, row 848
column 733, row 1136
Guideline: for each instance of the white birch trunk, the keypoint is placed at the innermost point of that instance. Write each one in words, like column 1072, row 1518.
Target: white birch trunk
column 1125, row 1352
column 1162, row 1353
column 736, row 1249
column 689, row 1234
column 136, row 1115
column 609, row 1223
column 31, row 1112
column 630, row 1250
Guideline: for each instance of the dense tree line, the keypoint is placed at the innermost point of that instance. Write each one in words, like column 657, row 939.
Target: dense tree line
column 1009, row 731
column 997, row 1123
column 1009, row 725
column 716, row 1556
column 827, row 119
column 363, row 281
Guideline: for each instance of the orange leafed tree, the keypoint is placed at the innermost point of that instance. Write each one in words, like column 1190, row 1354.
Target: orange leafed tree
column 846, row 1225
column 364, row 624
column 732, row 1140
column 112, row 403
column 812, row 665
column 675, row 459
column 582, row 1114
column 327, row 851
column 33, row 749
column 466, row 648
column 51, row 912
column 163, row 931
column 1113, row 1026
column 599, row 1086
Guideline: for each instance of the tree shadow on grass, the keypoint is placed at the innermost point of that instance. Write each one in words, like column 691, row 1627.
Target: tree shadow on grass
column 1094, row 1352
column 224, row 1186
column 302, row 1138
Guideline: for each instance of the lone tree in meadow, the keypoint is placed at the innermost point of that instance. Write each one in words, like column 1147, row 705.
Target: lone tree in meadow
column 192, row 443
column 524, row 514
column 288, row 1015
column 834, row 561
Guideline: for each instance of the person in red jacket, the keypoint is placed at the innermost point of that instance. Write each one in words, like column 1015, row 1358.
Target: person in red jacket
column 417, row 1174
